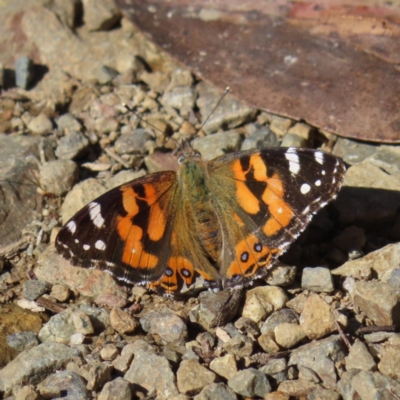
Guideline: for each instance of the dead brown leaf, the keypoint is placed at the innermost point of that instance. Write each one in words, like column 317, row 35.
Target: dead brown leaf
column 330, row 63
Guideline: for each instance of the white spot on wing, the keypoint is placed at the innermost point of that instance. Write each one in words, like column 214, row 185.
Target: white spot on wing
column 318, row 183
column 86, row 247
column 280, row 210
column 319, row 157
column 305, row 188
column 100, row 245
column 95, row 214
column 71, row 226
column 293, row 158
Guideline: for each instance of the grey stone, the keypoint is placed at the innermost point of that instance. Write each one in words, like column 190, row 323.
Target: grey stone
column 216, row 309
column 41, row 125
column 353, row 152
column 317, row 279
column 33, row 365
column 282, row 275
column 88, row 282
column 387, row 158
column 99, row 374
column 109, row 352
column 250, row 383
column 122, row 321
column 152, row 372
column 61, row 293
column 170, row 327
column 35, row 288
column 239, row 346
column 321, row 356
column 392, row 278
column 379, row 301
column 99, row 317
column 72, row 146
column 206, row 339
column 24, row 393
column 181, row 98
column 118, row 388
column 100, row 14
column 320, row 393
column 62, row 326
column 248, row 326
column 288, row 335
column 23, row 72
column 279, row 317
column 82, row 322
column 373, row 385
column 375, row 263
column 317, row 319
column 262, row 301
column 390, row 362
column 261, row 138
column 276, row 368
column 345, row 386
column 21, row 341
column 293, row 140
column 59, row 176
column 123, row 361
column 218, row 144
column 215, row 391
column 229, row 113
column 267, row 343
column 133, row 142
column 359, row 357
column 64, row 384
column 192, row 377
column 224, row 366
column 378, row 337
column 105, row 74
column 67, row 122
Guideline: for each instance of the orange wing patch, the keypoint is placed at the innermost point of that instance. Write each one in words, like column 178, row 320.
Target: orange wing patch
column 134, row 253
column 179, row 270
column 251, row 254
column 281, row 213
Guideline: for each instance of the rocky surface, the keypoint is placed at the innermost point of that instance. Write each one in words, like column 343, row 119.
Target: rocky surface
column 322, row 325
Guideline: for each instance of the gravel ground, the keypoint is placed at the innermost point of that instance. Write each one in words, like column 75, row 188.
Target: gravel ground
column 323, row 325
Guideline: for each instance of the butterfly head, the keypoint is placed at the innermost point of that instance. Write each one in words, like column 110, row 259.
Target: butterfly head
column 188, row 153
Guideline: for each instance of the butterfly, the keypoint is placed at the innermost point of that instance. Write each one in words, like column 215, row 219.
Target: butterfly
column 220, row 224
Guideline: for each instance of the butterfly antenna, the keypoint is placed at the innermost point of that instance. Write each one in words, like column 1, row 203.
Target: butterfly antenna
column 148, row 123
column 226, row 91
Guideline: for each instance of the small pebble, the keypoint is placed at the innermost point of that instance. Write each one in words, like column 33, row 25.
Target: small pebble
column 33, row 289
column 41, row 125
column 123, row 322
column 317, row 279
column 61, row 293
column 23, row 72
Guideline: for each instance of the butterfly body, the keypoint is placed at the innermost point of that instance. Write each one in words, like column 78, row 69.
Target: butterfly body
column 218, row 224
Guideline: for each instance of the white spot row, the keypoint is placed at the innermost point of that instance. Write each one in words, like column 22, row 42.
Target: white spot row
column 71, row 226
column 293, row 158
column 305, row 188
column 319, row 157
column 95, row 214
column 99, row 245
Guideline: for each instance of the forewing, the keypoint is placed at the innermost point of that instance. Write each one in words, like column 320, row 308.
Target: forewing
column 126, row 231
column 265, row 199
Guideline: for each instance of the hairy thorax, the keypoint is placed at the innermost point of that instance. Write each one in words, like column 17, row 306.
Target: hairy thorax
column 197, row 198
